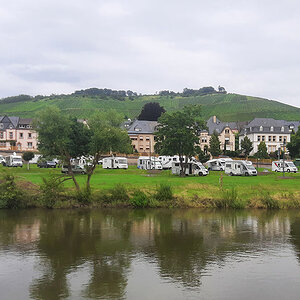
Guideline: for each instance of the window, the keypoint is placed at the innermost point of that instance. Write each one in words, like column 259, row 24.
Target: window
column 263, row 138
column 2, row 144
column 272, row 128
column 204, row 140
column 28, row 126
column 282, row 128
column 226, row 131
column 141, row 138
column 1, row 125
column 147, row 138
column 134, row 138
column 270, row 138
column 21, row 135
column 274, row 138
column 11, row 135
column 261, row 128
column 21, row 126
column 258, row 138
column 29, row 145
column 280, row 138
column 1, row 135
column 141, row 148
column 284, row 139
column 29, row 135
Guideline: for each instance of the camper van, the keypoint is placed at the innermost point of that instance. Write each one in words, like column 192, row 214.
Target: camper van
column 13, row 161
column 115, row 163
column 239, row 167
column 149, row 163
column 192, row 168
column 217, row 164
column 277, row 166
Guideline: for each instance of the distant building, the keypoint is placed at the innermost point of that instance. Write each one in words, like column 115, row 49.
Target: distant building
column 17, row 134
column 275, row 133
column 141, row 134
column 225, row 130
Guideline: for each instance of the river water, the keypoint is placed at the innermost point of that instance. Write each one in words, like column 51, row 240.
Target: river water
column 149, row 254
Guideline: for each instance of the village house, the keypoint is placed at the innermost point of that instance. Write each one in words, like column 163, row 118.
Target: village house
column 225, row 130
column 275, row 133
column 17, row 134
column 141, row 134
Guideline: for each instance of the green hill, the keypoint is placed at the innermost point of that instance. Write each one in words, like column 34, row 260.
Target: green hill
column 227, row 107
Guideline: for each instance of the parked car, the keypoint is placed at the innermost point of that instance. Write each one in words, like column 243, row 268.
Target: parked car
column 46, row 164
column 77, row 169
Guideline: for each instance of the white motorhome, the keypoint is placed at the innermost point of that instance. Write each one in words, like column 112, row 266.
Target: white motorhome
column 149, row 163
column 239, row 167
column 115, row 163
column 277, row 166
column 13, row 161
column 217, row 164
column 192, row 168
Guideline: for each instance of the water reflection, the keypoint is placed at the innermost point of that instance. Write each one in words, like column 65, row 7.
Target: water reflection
column 182, row 244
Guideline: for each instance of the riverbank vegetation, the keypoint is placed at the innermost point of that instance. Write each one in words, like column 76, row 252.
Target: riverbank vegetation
column 37, row 187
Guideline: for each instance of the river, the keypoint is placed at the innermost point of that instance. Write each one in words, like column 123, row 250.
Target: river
column 149, row 254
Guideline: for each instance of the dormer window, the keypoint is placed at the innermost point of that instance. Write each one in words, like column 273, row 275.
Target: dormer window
column 282, row 128
column 272, row 128
column 1, row 125
column 261, row 128
column 22, row 126
column 10, row 126
column 28, row 126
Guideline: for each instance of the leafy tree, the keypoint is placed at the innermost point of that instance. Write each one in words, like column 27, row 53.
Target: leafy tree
column 27, row 156
column 106, row 136
column 177, row 134
column 151, row 111
column 61, row 135
column 214, row 144
column 246, row 146
column 203, row 156
column 294, row 145
column 262, row 151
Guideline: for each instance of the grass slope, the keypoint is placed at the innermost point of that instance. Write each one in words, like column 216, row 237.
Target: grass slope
column 227, row 107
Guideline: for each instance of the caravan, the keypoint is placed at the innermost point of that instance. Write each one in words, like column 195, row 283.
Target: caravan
column 239, row 167
column 192, row 168
column 217, row 164
column 115, row 163
column 149, row 163
column 289, row 166
column 13, row 161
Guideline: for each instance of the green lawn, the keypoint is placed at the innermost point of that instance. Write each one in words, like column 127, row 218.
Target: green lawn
column 188, row 187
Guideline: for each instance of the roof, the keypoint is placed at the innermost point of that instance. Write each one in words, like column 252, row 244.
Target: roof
column 139, row 126
column 269, row 125
column 25, row 121
column 218, row 126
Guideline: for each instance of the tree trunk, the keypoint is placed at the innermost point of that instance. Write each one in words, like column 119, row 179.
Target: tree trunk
column 70, row 171
column 91, row 171
column 28, row 165
column 182, row 166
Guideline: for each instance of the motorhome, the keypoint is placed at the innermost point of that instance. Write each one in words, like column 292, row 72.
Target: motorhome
column 149, row 163
column 167, row 161
column 13, row 161
column 115, row 163
column 277, row 166
column 239, row 167
column 217, row 164
column 192, row 168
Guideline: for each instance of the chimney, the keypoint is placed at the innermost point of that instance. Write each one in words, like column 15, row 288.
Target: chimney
column 214, row 119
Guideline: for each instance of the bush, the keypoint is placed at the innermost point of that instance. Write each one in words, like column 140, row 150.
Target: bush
column 230, row 199
column 164, row 192
column 84, row 197
column 139, row 199
column 116, row 194
column 268, row 201
column 52, row 190
column 10, row 195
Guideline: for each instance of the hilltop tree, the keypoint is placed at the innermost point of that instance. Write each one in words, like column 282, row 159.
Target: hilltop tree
column 177, row 134
column 262, row 151
column 151, row 111
column 246, row 146
column 294, row 145
column 214, row 144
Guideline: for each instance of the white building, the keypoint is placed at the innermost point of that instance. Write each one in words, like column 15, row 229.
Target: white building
column 275, row 133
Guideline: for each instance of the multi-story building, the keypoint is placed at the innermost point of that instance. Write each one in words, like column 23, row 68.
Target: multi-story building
column 17, row 134
column 141, row 134
column 225, row 130
column 275, row 133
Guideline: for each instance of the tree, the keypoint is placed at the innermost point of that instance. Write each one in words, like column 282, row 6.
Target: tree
column 246, row 146
column 106, row 136
column 27, row 156
column 177, row 134
column 294, row 145
column 203, row 156
column 214, row 144
column 262, row 151
column 60, row 135
column 151, row 111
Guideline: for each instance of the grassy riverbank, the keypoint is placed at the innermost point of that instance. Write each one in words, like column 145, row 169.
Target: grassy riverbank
column 134, row 187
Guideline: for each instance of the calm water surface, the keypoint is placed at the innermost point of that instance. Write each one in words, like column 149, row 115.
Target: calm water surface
column 149, row 254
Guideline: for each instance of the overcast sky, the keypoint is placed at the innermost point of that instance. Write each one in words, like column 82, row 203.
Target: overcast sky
column 59, row 46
